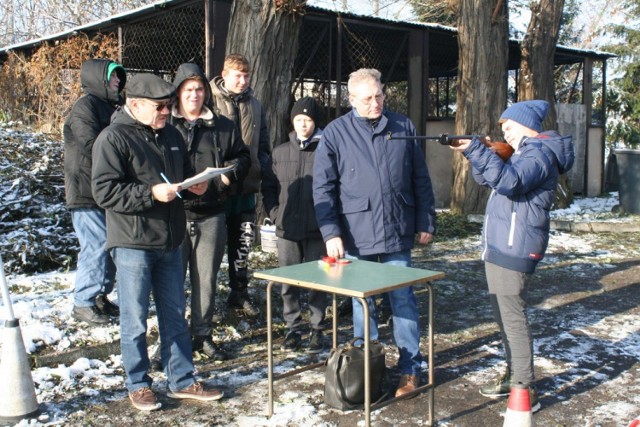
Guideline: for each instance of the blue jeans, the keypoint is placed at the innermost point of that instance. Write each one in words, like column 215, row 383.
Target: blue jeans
column 141, row 272
column 96, row 271
column 406, row 318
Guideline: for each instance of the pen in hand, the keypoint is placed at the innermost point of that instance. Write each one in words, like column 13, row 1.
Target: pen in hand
column 164, row 177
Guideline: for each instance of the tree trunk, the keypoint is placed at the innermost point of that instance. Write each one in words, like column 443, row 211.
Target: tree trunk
column 536, row 76
column 538, row 45
column 266, row 32
column 481, row 90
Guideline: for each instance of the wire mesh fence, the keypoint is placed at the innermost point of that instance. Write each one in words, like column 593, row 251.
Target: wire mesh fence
column 161, row 43
column 331, row 49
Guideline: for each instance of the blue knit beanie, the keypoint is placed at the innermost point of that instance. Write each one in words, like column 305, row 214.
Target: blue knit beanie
column 528, row 113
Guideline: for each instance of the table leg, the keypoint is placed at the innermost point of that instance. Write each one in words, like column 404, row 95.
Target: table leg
column 431, row 358
column 367, row 362
column 269, row 350
column 335, row 321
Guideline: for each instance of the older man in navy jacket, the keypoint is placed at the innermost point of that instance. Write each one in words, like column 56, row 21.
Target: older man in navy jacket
column 372, row 196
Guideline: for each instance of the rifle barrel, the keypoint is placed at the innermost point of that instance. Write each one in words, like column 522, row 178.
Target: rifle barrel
column 444, row 139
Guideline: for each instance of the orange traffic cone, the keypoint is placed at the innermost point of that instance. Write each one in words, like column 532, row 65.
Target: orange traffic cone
column 518, row 408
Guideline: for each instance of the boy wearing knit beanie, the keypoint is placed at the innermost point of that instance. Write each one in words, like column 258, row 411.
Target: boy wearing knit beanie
column 288, row 200
column 516, row 230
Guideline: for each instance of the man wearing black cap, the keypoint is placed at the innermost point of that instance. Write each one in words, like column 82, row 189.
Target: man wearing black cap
column 516, row 229
column 288, row 200
column 136, row 160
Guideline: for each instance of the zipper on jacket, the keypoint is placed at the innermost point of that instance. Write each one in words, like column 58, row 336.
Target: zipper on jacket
column 512, row 228
column 216, row 149
column 168, row 166
column 190, row 132
column 301, row 167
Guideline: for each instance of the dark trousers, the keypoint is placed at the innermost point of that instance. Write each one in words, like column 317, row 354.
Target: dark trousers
column 240, row 236
column 506, row 288
column 295, row 252
column 202, row 252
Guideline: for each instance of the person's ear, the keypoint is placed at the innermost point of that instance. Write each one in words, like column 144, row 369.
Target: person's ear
column 135, row 104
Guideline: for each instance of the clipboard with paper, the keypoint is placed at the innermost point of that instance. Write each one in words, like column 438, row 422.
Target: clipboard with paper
column 205, row 175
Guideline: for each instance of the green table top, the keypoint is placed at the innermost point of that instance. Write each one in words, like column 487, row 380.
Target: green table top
column 356, row 279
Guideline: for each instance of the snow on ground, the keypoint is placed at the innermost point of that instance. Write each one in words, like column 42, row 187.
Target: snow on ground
column 592, row 209
column 43, row 303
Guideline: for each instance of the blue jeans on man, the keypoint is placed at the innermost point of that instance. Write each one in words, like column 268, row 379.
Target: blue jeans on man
column 141, row 272
column 96, row 271
column 406, row 317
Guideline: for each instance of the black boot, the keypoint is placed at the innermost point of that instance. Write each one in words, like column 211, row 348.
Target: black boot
column 239, row 300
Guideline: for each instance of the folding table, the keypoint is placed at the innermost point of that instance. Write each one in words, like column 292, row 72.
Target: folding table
column 359, row 279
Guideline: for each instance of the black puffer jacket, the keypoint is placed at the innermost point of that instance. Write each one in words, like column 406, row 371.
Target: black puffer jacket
column 90, row 114
column 211, row 140
column 287, row 188
column 128, row 160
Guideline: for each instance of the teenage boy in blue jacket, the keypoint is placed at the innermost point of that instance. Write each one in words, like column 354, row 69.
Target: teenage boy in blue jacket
column 516, row 227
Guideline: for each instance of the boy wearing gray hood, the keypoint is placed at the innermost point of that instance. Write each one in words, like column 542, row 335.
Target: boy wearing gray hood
column 211, row 140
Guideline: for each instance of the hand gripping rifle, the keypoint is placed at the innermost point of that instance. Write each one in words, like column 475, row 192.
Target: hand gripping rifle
column 501, row 148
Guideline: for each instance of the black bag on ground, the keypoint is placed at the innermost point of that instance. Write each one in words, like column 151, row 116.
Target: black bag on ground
column 344, row 375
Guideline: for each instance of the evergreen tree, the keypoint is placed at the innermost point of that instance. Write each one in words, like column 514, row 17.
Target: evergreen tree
column 623, row 97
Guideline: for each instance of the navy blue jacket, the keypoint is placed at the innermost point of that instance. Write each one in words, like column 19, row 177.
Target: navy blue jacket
column 516, row 226
column 373, row 192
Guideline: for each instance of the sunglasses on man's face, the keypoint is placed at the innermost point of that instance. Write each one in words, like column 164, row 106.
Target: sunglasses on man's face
column 160, row 106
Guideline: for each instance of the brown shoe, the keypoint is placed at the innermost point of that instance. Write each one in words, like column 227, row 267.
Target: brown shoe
column 407, row 384
column 144, row 399
column 196, row 391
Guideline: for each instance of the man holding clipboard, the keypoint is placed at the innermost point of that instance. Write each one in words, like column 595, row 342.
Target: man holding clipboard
column 145, row 228
column 217, row 151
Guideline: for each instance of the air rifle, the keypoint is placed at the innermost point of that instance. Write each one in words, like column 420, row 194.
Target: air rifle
column 501, row 148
